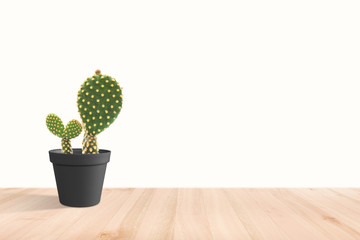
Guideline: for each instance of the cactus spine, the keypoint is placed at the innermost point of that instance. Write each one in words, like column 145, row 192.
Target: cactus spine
column 99, row 103
column 56, row 127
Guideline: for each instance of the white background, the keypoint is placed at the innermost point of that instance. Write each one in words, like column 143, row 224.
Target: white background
column 216, row 93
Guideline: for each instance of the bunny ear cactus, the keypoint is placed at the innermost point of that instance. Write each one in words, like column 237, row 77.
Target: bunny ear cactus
column 56, row 127
column 99, row 103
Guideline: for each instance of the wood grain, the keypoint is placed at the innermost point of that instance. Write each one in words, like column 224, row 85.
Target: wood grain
column 185, row 214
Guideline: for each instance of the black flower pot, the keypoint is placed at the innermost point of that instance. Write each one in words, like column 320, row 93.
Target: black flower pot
column 79, row 177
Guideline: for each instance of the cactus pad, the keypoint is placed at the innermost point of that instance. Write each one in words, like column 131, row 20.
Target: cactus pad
column 99, row 102
column 73, row 129
column 90, row 144
column 55, row 125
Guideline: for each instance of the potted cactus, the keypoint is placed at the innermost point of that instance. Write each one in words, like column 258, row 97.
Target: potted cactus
column 80, row 172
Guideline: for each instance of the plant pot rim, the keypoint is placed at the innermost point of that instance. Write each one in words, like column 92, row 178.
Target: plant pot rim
column 57, row 157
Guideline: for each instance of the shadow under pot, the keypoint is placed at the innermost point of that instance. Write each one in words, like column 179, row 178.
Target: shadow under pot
column 79, row 177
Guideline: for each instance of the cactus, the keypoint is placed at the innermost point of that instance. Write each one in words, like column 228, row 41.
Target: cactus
column 56, row 127
column 99, row 103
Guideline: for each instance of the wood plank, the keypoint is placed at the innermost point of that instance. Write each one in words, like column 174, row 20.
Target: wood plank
column 267, row 218
column 313, row 214
column 191, row 221
column 170, row 213
column 223, row 222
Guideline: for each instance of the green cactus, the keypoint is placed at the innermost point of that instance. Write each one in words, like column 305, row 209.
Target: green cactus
column 99, row 103
column 90, row 143
column 56, row 127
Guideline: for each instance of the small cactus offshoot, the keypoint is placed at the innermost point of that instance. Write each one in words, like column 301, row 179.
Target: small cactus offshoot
column 99, row 103
column 56, row 127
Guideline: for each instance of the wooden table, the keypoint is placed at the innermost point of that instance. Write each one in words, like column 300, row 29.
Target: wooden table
column 272, row 214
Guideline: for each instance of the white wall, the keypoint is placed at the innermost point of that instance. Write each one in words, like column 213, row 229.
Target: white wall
column 216, row 93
